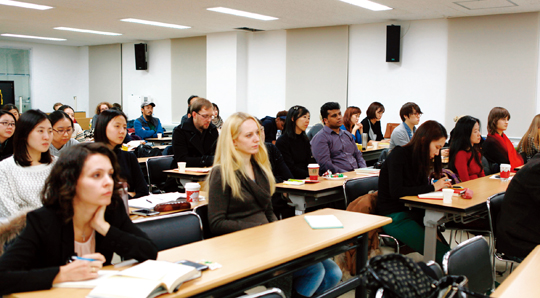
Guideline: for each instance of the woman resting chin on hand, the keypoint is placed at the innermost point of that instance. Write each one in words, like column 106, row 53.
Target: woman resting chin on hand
column 82, row 215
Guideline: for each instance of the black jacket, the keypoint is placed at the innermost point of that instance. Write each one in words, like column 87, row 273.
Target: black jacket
column 195, row 148
column 279, row 168
column 375, row 127
column 130, row 170
column 296, row 153
column 32, row 262
column 6, row 149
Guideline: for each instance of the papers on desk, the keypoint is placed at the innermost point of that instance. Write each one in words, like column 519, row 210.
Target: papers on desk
column 87, row 284
column 436, row 195
column 198, row 170
column 498, row 177
column 150, row 201
column 323, row 222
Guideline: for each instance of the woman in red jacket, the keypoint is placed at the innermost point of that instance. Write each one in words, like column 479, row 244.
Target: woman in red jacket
column 465, row 157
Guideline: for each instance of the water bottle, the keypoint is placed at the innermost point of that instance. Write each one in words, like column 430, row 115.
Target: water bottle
column 364, row 141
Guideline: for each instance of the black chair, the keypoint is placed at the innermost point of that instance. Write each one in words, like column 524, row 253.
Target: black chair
column 202, row 211
column 173, row 229
column 155, row 167
column 269, row 293
column 494, row 205
column 471, row 258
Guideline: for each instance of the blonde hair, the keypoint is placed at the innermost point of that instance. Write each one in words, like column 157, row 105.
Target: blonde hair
column 231, row 160
column 532, row 134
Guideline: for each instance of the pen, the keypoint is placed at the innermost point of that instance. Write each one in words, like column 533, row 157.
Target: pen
column 149, row 201
column 82, row 259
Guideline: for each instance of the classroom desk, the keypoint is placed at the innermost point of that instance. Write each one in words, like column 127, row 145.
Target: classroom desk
column 437, row 212
column 187, row 176
column 522, row 282
column 253, row 256
column 162, row 140
column 137, row 218
column 371, row 154
column 314, row 194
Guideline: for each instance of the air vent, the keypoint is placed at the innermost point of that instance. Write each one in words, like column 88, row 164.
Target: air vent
column 485, row 4
column 248, row 29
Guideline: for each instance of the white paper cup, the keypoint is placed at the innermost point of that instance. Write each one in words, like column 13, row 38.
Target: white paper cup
column 192, row 192
column 375, row 145
column 182, row 167
column 447, row 195
column 159, row 136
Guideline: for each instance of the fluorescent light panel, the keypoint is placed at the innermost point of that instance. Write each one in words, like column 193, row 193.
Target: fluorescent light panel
column 25, row 5
column 32, row 37
column 242, row 13
column 368, row 5
column 87, row 31
column 144, row 22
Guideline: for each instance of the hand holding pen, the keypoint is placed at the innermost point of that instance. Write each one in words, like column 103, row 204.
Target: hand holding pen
column 81, row 268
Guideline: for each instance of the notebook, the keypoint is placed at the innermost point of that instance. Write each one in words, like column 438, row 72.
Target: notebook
column 323, row 222
column 436, row 195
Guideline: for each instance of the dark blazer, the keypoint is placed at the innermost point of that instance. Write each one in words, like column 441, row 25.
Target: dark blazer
column 229, row 214
column 493, row 152
column 193, row 147
column 517, row 226
column 131, row 171
column 6, row 149
column 32, row 262
column 397, row 180
column 297, row 154
column 279, row 168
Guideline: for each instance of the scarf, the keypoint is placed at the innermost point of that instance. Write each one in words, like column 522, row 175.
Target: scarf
column 515, row 159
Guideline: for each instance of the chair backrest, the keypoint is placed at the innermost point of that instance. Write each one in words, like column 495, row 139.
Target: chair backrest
column 353, row 188
column 202, row 211
column 172, row 230
column 155, row 167
column 270, row 293
column 471, row 258
column 485, row 165
column 494, row 205
column 389, row 129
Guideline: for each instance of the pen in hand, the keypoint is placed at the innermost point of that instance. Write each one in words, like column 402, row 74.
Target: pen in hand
column 82, row 259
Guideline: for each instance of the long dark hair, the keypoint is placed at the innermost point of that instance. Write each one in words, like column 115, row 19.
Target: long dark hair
column 27, row 122
column 290, row 123
column 61, row 185
column 461, row 140
column 100, row 132
column 427, row 132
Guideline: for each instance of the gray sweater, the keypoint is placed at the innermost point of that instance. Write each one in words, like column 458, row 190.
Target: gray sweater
column 56, row 152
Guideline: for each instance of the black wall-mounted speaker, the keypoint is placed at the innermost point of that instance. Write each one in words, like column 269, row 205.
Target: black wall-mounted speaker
column 393, row 36
column 141, row 63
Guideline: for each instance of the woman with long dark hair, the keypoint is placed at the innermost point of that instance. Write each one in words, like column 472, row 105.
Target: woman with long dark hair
column 407, row 171
column 23, row 175
column 294, row 144
column 82, row 215
column 8, row 123
column 371, row 125
column 62, row 130
column 465, row 156
column 111, row 129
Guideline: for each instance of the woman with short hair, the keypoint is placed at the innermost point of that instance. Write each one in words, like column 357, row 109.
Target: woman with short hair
column 102, row 106
column 62, row 127
column 9, row 107
column 351, row 123
column 371, row 125
column 497, row 148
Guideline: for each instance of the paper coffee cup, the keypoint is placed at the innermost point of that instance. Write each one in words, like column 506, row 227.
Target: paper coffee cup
column 505, row 170
column 313, row 170
column 182, row 167
column 192, row 192
column 159, row 136
column 447, row 195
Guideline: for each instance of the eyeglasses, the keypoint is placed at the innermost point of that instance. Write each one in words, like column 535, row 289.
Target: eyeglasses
column 69, row 131
column 206, row 117
column 8, row 124
column 417, row 114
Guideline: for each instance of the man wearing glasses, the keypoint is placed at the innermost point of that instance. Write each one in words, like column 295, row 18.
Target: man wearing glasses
column 194, row 140
column 147, row 126
column 410, row 115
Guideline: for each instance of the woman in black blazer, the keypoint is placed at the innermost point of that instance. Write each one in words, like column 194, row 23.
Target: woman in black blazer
column 82, row 215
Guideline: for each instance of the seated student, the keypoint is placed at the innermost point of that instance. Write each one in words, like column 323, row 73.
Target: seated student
column 272, row 125
column 9, row 107
column 82, row 215
column 102, row 106
column 217, row 121
column 62, row 130
column 147, row 126
column 77, row 129
column 372, row 123
column 111, row 130
column 56, row 106
column 465, row 157
column 517, row 225
column 189, row 102
column 294, row 144
column 406, row 172
column 23, row 175
column 497, row 148
column 351, row 123
column 530, row 142
column 241, row 184
column 410, row 115
column 7, row 129
column 194, row 140
column 334, row 149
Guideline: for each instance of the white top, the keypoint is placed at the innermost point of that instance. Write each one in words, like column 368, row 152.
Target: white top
column 20, row 187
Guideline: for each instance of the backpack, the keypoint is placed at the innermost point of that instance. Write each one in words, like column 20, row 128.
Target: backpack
column 144, row 150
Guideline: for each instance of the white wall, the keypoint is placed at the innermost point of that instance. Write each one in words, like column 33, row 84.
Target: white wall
column 420, row 77
column 154, row 82
column 266, row 72
column 105, row 75
column 57, row 74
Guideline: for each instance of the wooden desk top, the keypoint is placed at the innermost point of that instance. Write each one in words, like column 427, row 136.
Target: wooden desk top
column 523, row 282
column 324, row 184
column 136, row 217
column 482, row 189
column 252, row 250
column 188, row 172
column 144, row 159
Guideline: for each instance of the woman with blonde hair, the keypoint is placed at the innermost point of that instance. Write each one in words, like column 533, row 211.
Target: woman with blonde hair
column 530, row 143
column 241, row 185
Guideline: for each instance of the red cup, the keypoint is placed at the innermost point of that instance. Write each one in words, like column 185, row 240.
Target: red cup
column 313, row 170
column 505, row 174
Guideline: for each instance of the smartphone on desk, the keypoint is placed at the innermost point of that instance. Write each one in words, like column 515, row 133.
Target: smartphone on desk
column 144, row 212
column 198, row 266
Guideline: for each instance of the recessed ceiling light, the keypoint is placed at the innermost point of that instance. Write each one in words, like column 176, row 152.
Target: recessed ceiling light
column 25, row 5
column 242, row 13
column 155, row 23
column 87, row 31
column 33, row 37
column 368, row 5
